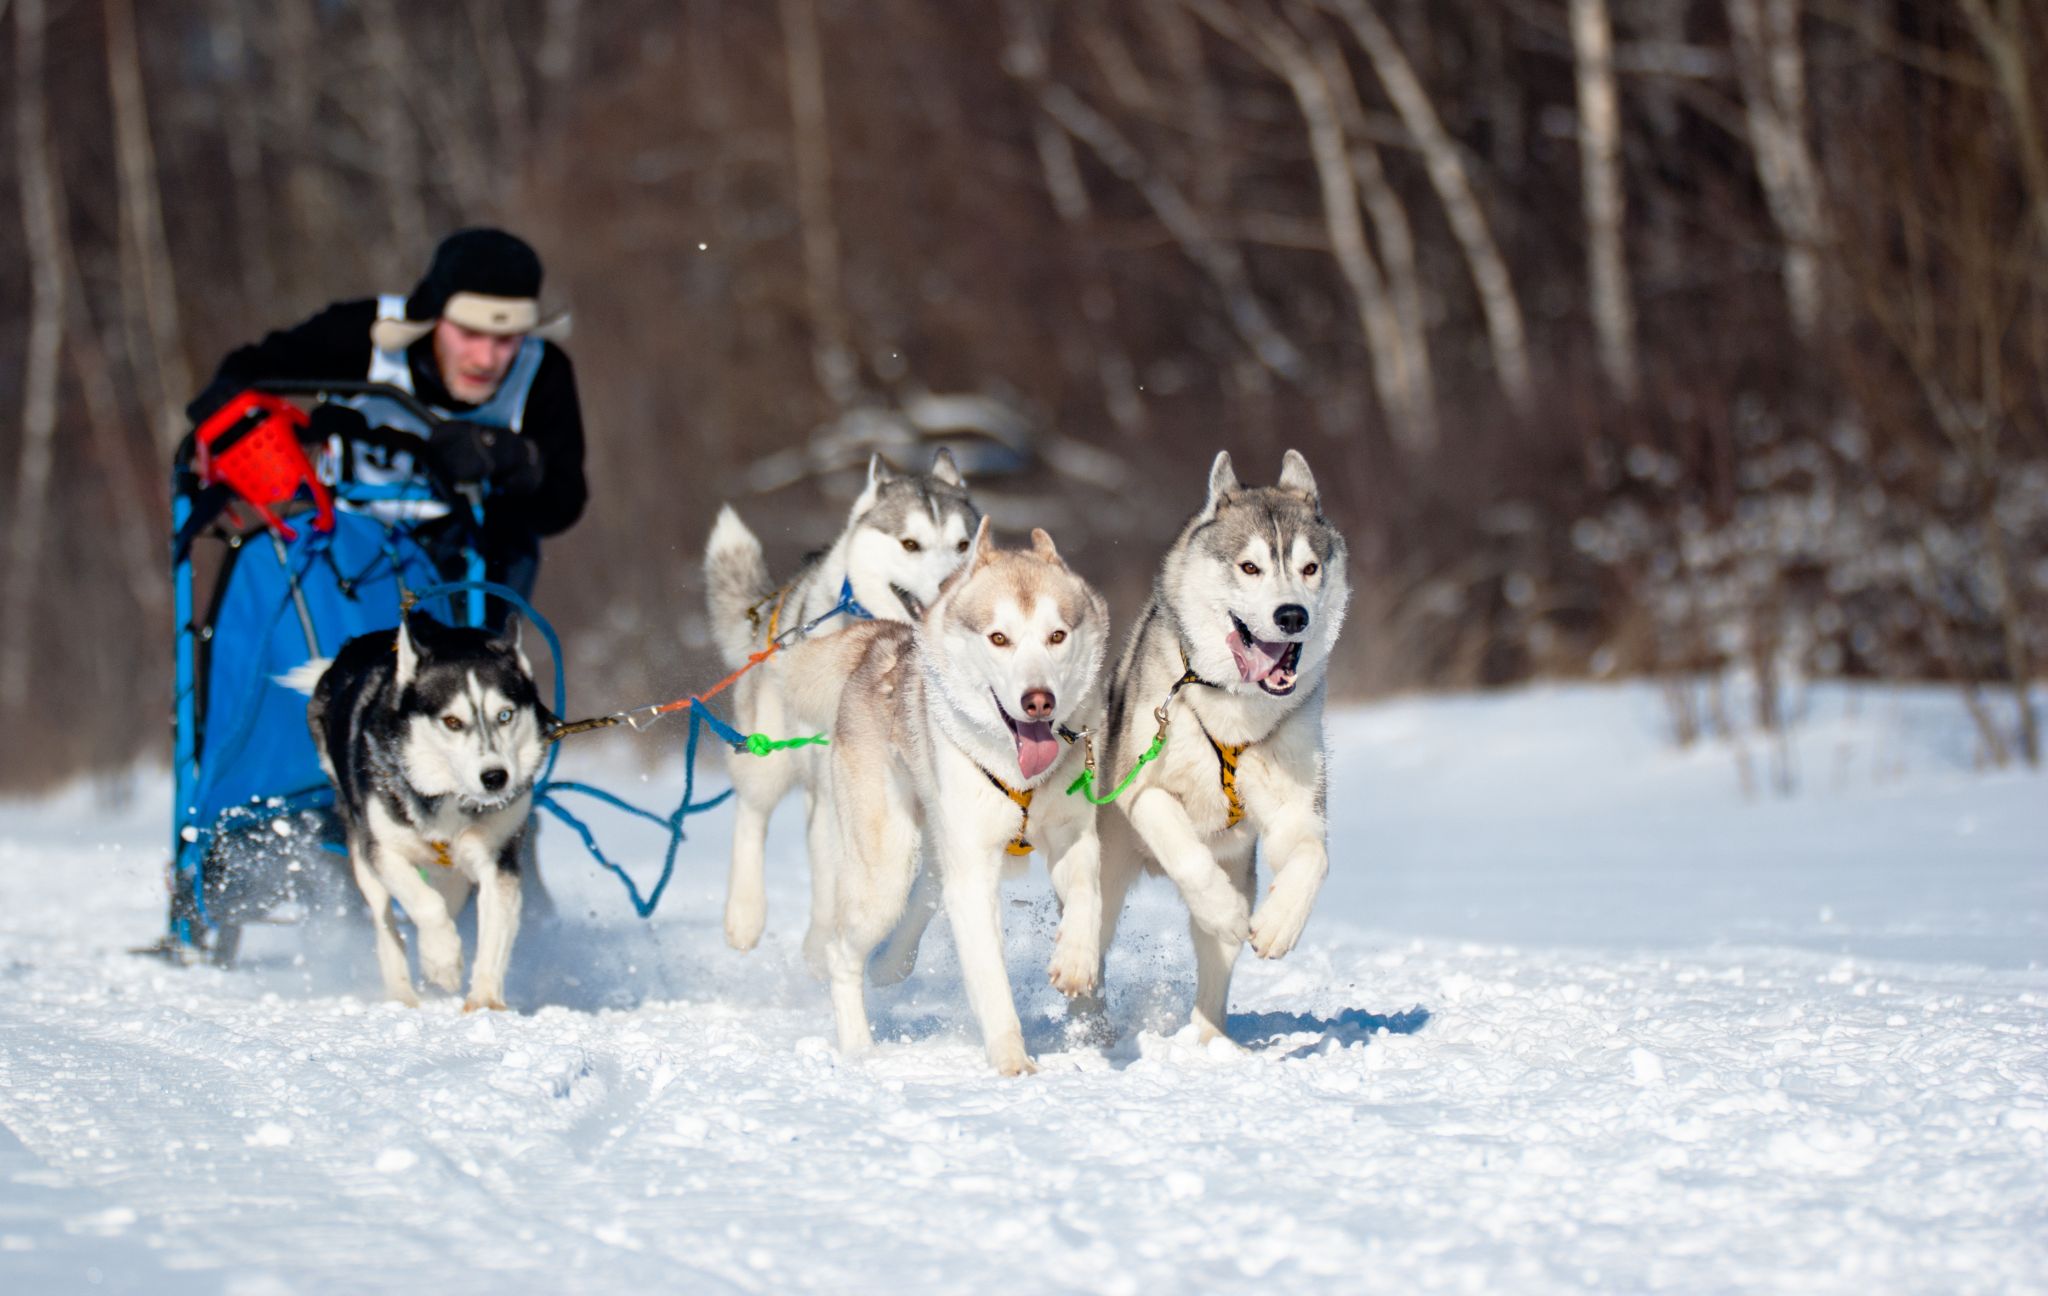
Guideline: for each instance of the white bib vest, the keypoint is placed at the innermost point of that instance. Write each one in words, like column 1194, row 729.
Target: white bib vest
column 378, row 465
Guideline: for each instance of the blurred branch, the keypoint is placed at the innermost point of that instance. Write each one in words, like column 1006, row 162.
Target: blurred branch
column 1399, row 359
column 142, row 211
column 832, row 354
column 1447, row 174
column 42, row 218
column 1771, row 67
column 1217, row 259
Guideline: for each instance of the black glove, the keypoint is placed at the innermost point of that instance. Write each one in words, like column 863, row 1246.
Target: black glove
column 470, row 452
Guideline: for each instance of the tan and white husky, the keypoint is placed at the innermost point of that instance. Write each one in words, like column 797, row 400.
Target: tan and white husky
column 951, row 749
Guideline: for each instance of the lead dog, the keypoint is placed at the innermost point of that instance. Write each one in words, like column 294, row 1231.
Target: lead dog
column 1233, row 645
column 433, row 737
column 948, row 746
column 904, row 535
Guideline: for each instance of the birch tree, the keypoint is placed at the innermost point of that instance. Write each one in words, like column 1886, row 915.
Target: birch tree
column 1601, row 195
column 1771, row 67
column 1445, row 164
column 149, row 266
column 41, row 219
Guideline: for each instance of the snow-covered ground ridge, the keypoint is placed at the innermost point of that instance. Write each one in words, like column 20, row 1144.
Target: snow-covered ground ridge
column 1575, row 1012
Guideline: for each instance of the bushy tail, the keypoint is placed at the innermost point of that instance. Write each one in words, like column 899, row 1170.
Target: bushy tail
column 304, row 678
column 735, row 579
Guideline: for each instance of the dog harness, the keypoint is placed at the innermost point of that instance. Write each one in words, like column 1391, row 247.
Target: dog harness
column 1227, row 754
column 441, row 855
column 1020, row 844
column 1226, row 770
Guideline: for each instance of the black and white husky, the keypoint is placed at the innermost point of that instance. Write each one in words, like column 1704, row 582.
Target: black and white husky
column 433, row 737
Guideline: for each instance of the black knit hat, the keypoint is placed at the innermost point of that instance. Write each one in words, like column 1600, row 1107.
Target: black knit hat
column 483, row 279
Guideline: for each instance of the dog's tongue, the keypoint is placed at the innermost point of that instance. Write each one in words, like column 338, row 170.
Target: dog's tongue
column 1256, row 659
column 1037, row 749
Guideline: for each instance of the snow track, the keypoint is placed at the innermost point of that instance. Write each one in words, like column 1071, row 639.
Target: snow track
column 1572, row 1015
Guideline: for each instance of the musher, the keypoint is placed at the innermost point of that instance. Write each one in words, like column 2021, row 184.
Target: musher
column 470, row 343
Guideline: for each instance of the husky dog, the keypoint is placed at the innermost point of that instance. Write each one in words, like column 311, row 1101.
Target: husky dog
column 947, row 751
column 904, row 535
column 1231, row 651
column 433, row 737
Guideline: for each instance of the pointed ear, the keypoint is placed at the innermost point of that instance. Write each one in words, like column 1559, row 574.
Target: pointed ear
column 981, row 551
column 1222, row 483
column 946, row 470
column 1041, row 544
column 878, row 472
column 509, row 639
column 1295, row 476
column 408, row 652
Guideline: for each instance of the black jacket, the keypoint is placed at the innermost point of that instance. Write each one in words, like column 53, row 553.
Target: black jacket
column 335, row 345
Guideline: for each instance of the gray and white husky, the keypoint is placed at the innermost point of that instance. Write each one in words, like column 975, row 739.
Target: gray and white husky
column 947, row 766
column 904, row 535
column 1233, row 646
column 433, row 737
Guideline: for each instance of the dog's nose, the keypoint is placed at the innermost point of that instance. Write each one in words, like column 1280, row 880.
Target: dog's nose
column 1038, row 703
column 493, row 780
column 1292, row 618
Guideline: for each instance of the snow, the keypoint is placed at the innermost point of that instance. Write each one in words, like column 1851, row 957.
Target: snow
column 1574, row 1012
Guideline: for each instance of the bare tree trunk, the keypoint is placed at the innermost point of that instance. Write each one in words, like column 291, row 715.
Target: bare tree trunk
column 831, row 352
column 397, row 142
column 313, row 206
column 1069, row 191
column 1770, row 64
column 1445, row 164
column 136, row 516
column 1600, row 172
column 1391, row 228
column 237, row 105
column 1217, row 259
column 506, row 87
column 41, row 218
column 1407, row 404
column 142, row 212
column 2003, row 35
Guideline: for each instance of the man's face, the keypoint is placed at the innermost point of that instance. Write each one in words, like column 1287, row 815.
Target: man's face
column 472, row 364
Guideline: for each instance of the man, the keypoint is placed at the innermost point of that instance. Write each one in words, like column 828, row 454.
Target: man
column 470, row 343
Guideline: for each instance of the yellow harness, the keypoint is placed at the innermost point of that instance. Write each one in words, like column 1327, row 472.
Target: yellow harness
column 1226, row 770
column 441, row 856
column 1019, row 845
column 1227, row 754
column 774, row 617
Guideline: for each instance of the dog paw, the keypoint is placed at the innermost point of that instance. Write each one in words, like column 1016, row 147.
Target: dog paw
column 891, row 966
column 1221, row 910
column 443, row 973
column 403, row 995
column 1278, row 924
column 489, row 1003
column 745, row 916
column 1073, row 970
column 1010, row 1059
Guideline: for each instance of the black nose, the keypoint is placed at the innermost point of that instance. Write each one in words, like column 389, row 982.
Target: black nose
column 1038, row 703
column 493, row 780
column 1292, row 618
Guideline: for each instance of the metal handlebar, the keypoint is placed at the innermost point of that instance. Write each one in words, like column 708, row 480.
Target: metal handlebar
column 352, row 387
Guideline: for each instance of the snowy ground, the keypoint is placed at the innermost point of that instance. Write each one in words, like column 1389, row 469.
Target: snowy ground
column 1573, row 1013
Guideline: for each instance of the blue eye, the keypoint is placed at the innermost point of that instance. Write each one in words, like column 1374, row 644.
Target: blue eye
column 505, row 716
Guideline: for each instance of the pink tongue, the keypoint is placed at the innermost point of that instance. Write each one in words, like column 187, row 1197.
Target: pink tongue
column 1258, row 659
column 1037, row 749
